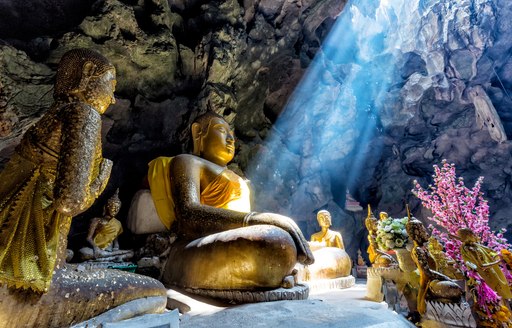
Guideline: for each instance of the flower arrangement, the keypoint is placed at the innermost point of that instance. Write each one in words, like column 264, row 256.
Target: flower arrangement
column 454, row 206
column 391, row 233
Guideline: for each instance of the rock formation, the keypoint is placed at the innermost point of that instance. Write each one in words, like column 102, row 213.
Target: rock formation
column 447, row 95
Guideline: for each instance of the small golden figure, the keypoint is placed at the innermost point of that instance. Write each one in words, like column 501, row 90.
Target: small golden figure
column 433, row 285
column 103, row 233
column 331, row 260
column 485, row 261
column 326, row 237
column 378, row 258
column 221, row 244
column 444, row 264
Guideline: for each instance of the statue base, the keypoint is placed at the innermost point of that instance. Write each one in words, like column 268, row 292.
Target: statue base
column 298, row 292
column 448, row 315
column 375, row 279
column 335, row 283
column 132, row 309
column 90, row 265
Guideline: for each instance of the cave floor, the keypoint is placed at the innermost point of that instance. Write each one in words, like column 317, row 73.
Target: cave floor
column 333, row 308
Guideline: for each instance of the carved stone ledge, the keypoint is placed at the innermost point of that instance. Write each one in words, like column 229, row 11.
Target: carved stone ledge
column 335, row 283
column 450, row 315
column 298, row 292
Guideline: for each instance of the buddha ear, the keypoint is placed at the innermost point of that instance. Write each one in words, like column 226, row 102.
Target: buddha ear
column 196, row 138
column 88, row 71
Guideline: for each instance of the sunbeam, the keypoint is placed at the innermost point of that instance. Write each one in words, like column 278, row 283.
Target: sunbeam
column 330, row 122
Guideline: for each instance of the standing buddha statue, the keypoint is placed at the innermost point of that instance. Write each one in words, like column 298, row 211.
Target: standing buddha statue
column 57, row 172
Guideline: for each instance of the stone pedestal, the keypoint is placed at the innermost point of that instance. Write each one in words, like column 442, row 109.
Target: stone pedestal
column 448, row 315
column 336, row 283
column 374, row 285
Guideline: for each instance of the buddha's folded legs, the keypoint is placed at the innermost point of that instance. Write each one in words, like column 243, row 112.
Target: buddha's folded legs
column 244, row 258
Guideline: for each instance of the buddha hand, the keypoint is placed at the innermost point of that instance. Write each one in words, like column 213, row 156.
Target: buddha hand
column 99, row 184
column 304, row 254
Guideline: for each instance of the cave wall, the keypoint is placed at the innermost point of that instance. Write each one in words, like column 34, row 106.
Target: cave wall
column 174, row 60
column 450, row 97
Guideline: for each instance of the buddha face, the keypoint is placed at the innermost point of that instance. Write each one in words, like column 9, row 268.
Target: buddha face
column 218, row 144
column 99, row 91
column 112, row 208
column 324, row 219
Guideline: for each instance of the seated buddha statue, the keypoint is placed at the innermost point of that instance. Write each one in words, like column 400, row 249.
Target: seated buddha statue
column 444, row 264
column 326, row 237
column 485, row 261
column 433, row 285
column 221, row 244
column 103, row 233
column 378, row 257
column 331, row 260
column 57, row 172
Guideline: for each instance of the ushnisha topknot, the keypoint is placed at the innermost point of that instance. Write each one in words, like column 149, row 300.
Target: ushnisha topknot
column 70, row 69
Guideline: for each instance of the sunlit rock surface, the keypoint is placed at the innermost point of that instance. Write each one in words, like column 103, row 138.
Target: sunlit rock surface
column 446, row 72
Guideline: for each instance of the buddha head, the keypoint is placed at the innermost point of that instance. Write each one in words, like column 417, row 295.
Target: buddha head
column 112, row 206
column 324, row 218
column 417, row 231
column 86, row 75
column 213, row 139
column 383, row 216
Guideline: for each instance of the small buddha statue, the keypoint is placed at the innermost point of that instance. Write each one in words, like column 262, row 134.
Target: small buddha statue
column 444, row 264
column 331, row 260
column 378, row 258
column 57, row 172
column 221, row 244
column 433, row 285
column 326, row 237
column 103, row 233
column 383, row 216
column 485, row 261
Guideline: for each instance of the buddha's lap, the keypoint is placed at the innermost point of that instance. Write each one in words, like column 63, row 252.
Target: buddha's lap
column 256, row 256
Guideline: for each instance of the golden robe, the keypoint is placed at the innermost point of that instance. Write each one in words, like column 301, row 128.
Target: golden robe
column 227, row 190
column 107, row 232
column 29, row 228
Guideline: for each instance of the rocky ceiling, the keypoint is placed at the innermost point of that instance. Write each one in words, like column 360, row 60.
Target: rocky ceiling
column 243, row 59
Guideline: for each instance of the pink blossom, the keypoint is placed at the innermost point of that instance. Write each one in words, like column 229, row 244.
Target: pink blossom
column 454, row 206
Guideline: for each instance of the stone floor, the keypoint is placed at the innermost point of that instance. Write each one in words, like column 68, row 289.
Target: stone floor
column 323, row 309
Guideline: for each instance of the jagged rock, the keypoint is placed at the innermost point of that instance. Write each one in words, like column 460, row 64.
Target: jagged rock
column 176, row 59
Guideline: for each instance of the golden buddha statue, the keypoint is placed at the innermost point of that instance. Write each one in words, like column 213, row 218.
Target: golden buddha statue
column 433, row 285
column 103, row 233
column 326, row 237
column 378, row 258
column 383, row 216
column 221, row 244
column 331, row 260
column 485, row 261
column 57, row 172
column 444, row 264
